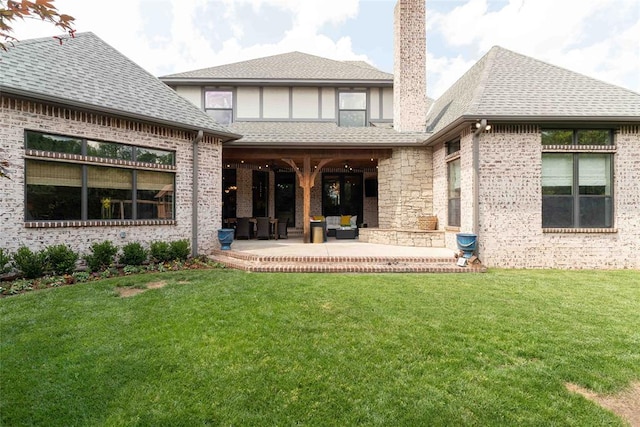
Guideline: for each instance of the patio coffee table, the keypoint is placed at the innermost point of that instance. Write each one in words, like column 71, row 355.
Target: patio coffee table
column 346, row 233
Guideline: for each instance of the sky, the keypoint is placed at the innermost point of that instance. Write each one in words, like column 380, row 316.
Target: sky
column 598, row 38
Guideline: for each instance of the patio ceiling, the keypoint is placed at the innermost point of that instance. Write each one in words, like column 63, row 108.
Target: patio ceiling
column 277, row 158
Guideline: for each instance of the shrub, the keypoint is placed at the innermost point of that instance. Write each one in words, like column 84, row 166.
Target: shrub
column 180, row 249
column 102, row 255
column 5, row 259
column 133, row 254
column 81, row 276
column 161, row 251
column 19, row 286
column 131, row 269
column 61, row 259
column 30, row 263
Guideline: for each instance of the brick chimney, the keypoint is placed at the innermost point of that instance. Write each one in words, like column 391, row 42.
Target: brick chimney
column 409, row 66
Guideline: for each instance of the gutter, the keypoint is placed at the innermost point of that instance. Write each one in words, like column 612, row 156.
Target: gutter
column 481, row 126
column 200, row 81
column 194, row 195
column 453, row 127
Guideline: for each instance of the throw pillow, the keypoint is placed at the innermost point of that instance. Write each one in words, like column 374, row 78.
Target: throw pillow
column 354, row 221
column 345, row 220
column 318, row 218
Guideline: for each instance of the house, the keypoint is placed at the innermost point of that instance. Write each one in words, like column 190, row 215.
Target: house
column 100, row 149
column 539, row 162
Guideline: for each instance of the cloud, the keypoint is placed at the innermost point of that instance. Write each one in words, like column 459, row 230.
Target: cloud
column 598, row 38
column 185, row 40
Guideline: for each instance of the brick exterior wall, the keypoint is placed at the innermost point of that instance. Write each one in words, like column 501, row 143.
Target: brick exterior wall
column 20, row 115
column 370, row 207
column 405, row 187
column 409, row 66
column 510, row 231
column 244, row 195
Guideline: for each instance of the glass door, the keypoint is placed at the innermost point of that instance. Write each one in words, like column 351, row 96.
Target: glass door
column 260, row 194
column 342, row 194
column 229, row 193
column 285, row 197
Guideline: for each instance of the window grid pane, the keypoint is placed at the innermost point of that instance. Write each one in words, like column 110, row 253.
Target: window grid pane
column 352, row 118
column 218, row 99
column 54, row 143
column 109, row 150
column 223, row 117
column 353, row 100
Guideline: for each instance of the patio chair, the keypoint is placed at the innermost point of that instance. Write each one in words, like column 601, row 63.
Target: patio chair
column 283, row 224
column 243, row 228
column 263, row 228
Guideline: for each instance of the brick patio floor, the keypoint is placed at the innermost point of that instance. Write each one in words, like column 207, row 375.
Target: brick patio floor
column 339, row 256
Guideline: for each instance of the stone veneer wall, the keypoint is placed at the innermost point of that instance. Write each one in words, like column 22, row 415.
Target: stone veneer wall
column 20, row 115
column 511, row 233
column 405, row 187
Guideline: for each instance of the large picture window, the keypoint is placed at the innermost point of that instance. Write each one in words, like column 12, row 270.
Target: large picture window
column 219, row 105
column 70, row 179
column 577, row 185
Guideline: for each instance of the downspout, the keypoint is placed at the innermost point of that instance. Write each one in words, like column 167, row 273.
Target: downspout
column 481, row 126
column 194, row 196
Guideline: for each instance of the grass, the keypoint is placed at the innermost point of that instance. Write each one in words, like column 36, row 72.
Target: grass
column 222, row 347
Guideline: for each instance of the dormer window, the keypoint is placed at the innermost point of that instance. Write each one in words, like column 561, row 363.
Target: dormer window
column 352, row 109
column 219, row 105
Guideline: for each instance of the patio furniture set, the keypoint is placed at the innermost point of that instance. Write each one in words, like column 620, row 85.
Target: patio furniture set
column 262, row 228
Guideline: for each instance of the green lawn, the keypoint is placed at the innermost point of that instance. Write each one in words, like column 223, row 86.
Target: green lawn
column 222, row 347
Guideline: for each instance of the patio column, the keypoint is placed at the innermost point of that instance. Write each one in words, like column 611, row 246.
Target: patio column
column 307, row 178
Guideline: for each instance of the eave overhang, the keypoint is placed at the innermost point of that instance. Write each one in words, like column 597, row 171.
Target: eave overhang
column 203, row 81
column 453, row 129
column 64, row 102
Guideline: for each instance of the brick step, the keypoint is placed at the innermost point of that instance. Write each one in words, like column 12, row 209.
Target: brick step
column 312, row 264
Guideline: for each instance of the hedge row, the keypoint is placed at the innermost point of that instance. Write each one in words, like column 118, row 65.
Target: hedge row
column 61, row 259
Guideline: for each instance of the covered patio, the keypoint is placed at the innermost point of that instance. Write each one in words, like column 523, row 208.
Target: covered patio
column 308, row 152
column 307, row 164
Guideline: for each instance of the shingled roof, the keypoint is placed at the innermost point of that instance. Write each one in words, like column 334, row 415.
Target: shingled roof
column 87, row 73
column 504, row 85
column 319, row 134
column 292, row 66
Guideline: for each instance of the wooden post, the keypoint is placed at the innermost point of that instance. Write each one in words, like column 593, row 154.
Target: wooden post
column 307, row 179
